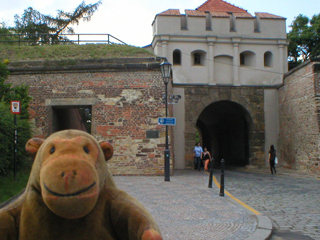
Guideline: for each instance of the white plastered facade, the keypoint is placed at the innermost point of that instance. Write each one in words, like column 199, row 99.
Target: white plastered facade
column 243, row 51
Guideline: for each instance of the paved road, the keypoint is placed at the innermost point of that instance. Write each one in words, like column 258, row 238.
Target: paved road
column 185, row 208
column 291, row 201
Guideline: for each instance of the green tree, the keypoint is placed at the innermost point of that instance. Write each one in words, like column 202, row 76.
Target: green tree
column 32, row 24
column 4, row 87
column 6, row 34
column 4, row 29
column 7, row 94
column 7, row 130
column 304, row 38
column 47, row 29
column 64, row 19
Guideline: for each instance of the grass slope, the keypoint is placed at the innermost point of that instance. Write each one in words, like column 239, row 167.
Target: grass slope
column 71, row 51
column 10, row 187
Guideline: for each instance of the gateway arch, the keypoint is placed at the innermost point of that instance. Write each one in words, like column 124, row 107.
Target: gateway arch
column 224, row 127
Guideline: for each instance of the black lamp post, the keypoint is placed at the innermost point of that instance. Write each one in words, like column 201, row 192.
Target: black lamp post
column 166, row 75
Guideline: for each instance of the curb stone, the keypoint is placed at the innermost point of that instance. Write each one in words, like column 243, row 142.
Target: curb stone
column 264, row 225
column 263, row 230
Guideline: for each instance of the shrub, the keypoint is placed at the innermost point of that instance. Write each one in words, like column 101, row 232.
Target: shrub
column 7, row 126
column 7, row 130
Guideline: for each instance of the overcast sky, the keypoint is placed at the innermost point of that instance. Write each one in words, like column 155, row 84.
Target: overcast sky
column 130, row 20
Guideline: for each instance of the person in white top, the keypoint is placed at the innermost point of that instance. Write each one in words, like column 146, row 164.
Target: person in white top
column 197, row 153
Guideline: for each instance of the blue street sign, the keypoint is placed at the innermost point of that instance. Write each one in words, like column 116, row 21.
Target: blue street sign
column 167, row 121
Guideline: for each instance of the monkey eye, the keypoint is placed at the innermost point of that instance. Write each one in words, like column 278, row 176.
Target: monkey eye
column 52, row 150
column 86, row 149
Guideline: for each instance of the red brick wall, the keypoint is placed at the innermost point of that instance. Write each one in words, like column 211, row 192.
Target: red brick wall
column 299, row 119
column 125, row 100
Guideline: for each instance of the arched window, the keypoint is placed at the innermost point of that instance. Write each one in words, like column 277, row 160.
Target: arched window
column 176, row 56
column 268, row 59
column 248, row 59
column 198, row 57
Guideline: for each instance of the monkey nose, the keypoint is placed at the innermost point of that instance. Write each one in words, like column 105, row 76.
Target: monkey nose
column 69, row 173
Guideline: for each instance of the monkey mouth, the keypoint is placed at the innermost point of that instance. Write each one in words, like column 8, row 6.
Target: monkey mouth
column 69, row 194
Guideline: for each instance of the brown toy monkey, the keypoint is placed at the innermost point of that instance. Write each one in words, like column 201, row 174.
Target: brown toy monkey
column 71, row 195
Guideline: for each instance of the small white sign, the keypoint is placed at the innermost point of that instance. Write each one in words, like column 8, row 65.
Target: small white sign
column 15, row 107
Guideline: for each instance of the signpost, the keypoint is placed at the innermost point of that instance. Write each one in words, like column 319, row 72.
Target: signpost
column 167, row 121
column 15, row 109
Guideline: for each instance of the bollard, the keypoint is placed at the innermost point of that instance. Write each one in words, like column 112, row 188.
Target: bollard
column 211, row 174
column 222, row 179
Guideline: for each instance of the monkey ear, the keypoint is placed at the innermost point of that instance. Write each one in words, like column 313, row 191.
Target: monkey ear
column 107, row 149
column 33, row 145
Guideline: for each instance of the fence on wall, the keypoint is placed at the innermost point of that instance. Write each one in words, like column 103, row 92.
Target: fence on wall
column 51, row 39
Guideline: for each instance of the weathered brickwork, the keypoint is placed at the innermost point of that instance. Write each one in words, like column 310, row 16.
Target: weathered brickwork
column 299, row 111
column 126, row 101
column 251, row 98
column 125, row 97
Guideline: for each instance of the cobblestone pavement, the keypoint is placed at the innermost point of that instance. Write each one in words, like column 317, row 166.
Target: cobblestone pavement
column 185, row 208
column 290, row 200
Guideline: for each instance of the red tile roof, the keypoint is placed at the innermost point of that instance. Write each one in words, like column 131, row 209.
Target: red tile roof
column 220, row 14
column 219, row 6
column 220, row 9
column 264, row 15
column 195, row 13
column 242, row 15
column 170, row 12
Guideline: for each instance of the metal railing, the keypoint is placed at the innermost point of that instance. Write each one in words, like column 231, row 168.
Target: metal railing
column 51, row 39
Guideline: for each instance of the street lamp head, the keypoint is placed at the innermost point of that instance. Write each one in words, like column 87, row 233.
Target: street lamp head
column 165, row 71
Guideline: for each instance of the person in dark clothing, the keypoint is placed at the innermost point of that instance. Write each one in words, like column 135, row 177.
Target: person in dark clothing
column 206, row 157
column 272, row 157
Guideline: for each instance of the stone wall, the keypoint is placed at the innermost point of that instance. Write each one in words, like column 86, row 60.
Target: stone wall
column 299, row 116
column 251, row 99
column 125, row 96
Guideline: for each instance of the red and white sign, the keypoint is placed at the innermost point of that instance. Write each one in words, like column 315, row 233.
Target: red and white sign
column 15, row 107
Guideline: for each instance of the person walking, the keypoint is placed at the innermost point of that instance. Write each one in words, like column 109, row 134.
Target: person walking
column 272, row 157
column 197, row 154
column 206, row 156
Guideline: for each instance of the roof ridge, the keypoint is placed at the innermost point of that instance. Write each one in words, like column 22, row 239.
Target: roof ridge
column 267, row 15
column 170, row 12
column 219, row 6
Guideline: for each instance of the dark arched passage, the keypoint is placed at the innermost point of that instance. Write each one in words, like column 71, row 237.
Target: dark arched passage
column 224, row 127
